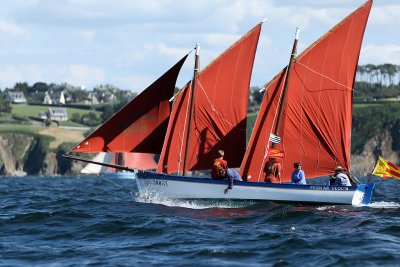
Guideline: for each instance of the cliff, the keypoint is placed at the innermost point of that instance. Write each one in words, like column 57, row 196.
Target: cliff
column 29, row 154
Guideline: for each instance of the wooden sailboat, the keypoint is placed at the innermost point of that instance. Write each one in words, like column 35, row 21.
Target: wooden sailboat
column 314, row 126
column 209, row 114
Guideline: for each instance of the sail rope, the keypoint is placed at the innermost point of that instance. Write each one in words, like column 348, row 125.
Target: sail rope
column 213, row 108
column 184, row 129
column 323, row 75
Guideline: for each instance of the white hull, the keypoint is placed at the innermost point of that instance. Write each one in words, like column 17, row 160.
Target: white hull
column 177, row 187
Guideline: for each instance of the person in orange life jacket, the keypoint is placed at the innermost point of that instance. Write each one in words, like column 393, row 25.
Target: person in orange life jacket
column 220, row 171
column 272, row 170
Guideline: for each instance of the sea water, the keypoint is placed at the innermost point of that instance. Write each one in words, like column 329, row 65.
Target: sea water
column 89, row 221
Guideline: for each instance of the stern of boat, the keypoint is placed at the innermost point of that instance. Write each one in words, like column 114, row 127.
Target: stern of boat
column 363, row 194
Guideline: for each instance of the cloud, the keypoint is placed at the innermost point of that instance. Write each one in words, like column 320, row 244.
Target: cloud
column 78, row 74
column 81, row 74
column 13, row 29
column 379, row 54
column 131, row 43
column 385, row 15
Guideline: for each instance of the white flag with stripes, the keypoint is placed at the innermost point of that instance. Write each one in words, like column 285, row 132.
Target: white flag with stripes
column 274, row 139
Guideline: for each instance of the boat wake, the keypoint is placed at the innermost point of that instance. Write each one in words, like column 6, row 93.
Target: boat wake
column 376, row 205
column 192, row 203
column 384, row 205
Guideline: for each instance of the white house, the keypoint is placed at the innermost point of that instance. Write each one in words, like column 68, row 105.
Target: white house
column 54, row 98
column 15, row 97
column 58, row 114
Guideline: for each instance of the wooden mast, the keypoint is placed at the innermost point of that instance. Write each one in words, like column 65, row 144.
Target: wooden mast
column 286, row 83
column 193, row 87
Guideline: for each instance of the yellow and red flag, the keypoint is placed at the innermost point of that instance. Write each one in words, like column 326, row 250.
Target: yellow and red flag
column 386, row 169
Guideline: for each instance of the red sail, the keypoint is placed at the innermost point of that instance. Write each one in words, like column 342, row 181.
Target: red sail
column 219, row 115
column 316, row 123
column 140, row 126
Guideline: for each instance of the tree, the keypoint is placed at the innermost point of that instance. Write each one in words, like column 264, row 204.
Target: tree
column 79, row 95
column 5, row 106
column 107, row 112
column 90, row 119
column 40, row 87
column 22, row 87
column 255, row 96
column 76, row 117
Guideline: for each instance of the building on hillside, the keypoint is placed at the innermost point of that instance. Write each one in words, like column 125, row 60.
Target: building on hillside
column 54, row 98
column 91, row 99
column 15, row 97
column 58, row 114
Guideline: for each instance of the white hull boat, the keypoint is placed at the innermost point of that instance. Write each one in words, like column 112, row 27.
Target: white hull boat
column 305, row 116
column 178, row 187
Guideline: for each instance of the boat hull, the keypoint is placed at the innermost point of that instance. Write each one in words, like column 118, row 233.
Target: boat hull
column 178, row 187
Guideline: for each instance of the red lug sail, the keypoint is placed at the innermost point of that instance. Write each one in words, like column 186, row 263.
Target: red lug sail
column 316, row 124
column 140, row 126
column 220, row 110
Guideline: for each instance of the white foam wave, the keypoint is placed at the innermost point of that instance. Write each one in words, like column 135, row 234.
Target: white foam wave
column 191, row 204
column 384, row 205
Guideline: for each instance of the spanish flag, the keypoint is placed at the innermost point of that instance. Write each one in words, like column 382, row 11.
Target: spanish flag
column 386, row 169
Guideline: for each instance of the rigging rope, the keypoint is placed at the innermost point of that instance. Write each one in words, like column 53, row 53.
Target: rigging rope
column 322, row 75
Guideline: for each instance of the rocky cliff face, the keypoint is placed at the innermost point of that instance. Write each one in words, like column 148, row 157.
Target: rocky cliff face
column 22, row 154
column 384, row 144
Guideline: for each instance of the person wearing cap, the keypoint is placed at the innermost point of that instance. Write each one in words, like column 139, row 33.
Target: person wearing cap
column 341, row 179
column 298, row 176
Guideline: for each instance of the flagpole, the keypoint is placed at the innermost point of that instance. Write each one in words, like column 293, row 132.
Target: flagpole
column 369, row 178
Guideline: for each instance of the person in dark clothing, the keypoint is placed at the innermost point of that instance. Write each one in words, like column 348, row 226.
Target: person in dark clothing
column 232, row 175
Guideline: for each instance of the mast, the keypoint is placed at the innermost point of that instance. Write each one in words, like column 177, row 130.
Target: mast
column 193, row 87
column 286, row 83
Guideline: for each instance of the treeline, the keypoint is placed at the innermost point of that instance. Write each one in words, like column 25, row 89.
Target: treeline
column 385, row 74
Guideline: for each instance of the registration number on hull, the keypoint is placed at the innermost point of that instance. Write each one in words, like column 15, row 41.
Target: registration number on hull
column 336, row 188
column 163, row 183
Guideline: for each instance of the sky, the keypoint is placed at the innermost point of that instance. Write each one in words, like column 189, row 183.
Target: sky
column 130, row 43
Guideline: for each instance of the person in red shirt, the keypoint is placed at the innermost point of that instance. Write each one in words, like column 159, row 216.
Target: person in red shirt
column 273, row 171
column 219, row 167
